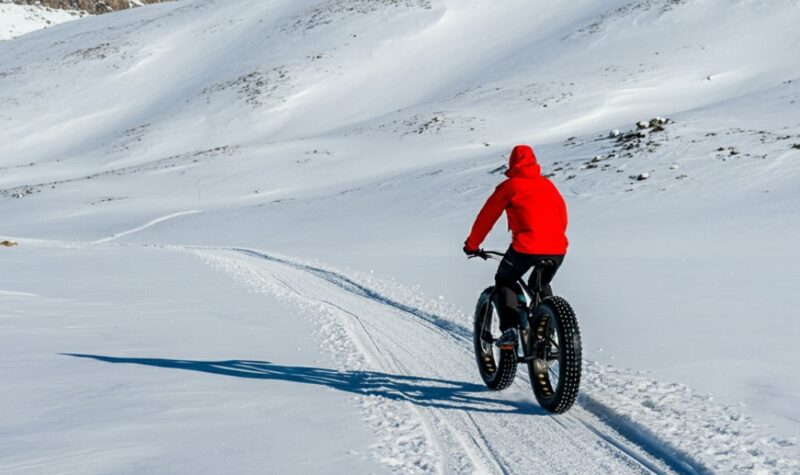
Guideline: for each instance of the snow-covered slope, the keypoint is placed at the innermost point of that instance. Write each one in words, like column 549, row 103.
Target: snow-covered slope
column 16, row 20
column 332, row 154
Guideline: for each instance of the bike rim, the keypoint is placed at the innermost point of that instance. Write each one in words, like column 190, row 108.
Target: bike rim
column 553, row 363
column 489, row 333
column 547, row 365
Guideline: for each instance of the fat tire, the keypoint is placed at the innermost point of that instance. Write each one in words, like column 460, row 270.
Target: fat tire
column 569, row 337
column 497, row 375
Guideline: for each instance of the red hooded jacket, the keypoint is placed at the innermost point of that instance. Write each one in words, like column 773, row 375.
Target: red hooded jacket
column 537, row 215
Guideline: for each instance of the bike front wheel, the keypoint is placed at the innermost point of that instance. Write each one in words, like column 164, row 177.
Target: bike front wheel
column 555, row 369
column 497, row 367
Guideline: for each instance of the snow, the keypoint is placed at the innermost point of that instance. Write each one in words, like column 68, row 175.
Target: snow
column 157, row 371
column 279, row 190
column 16, row 20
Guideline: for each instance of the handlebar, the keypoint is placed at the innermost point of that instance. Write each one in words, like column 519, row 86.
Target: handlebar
column 485, row 255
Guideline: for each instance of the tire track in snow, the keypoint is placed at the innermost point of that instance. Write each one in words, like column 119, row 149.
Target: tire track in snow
column 597, row 418
column 405, row 441
column 438, row 323
column 475, row 430
column 148, row 224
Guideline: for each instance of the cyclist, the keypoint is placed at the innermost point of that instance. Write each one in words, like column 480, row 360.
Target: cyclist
column 537, row 218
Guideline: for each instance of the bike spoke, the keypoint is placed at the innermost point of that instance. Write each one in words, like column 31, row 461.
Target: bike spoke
column 553, row 378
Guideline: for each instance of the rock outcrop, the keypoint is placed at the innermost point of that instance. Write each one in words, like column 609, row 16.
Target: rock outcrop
column 91, row 6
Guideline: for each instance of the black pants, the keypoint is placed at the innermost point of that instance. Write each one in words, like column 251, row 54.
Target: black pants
column 513, row 266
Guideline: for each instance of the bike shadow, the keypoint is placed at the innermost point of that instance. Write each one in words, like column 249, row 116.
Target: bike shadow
column 425, row 392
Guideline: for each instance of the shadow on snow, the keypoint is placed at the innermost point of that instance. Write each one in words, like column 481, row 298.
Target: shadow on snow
column 425, row 392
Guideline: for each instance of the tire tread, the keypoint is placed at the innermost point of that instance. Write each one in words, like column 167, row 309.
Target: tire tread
column 569, row 384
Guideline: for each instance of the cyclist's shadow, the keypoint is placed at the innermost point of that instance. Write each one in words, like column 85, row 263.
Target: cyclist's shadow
column 426, row 392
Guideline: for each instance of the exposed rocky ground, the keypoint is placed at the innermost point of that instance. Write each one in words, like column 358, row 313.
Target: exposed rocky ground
column 91, row 6
column 328, row 12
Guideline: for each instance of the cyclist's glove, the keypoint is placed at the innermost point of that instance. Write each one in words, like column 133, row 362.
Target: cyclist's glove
column 471, row 252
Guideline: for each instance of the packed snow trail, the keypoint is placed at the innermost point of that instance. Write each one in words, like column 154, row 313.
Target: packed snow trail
column 426, row 369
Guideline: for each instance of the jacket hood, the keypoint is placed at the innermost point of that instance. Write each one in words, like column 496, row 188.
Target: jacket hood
column 522, row 163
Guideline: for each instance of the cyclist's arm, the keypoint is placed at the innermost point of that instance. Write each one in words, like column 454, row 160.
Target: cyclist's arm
column 488, row 215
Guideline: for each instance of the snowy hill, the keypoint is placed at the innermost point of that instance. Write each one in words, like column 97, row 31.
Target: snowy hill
column 16, row 20
column 18, row 17
column 233, row 216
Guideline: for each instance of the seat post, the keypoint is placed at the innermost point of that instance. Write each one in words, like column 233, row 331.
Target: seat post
column 536, row 276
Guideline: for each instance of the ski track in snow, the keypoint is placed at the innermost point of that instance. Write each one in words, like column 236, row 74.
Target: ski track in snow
column 14, row 293
column 146, row 225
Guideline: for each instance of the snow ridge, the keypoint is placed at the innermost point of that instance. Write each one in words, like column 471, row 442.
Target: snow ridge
column 699, row 430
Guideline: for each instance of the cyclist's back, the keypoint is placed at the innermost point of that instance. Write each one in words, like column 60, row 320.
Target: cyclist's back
column 537, row 215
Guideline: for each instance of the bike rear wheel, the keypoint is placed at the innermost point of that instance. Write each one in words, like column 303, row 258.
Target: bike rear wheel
column 555, row 370
column 497, row 367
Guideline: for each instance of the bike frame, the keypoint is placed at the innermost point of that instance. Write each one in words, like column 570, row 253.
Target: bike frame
column 532, row 291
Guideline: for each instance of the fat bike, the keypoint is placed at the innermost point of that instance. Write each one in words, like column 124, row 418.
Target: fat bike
column 549, row 341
